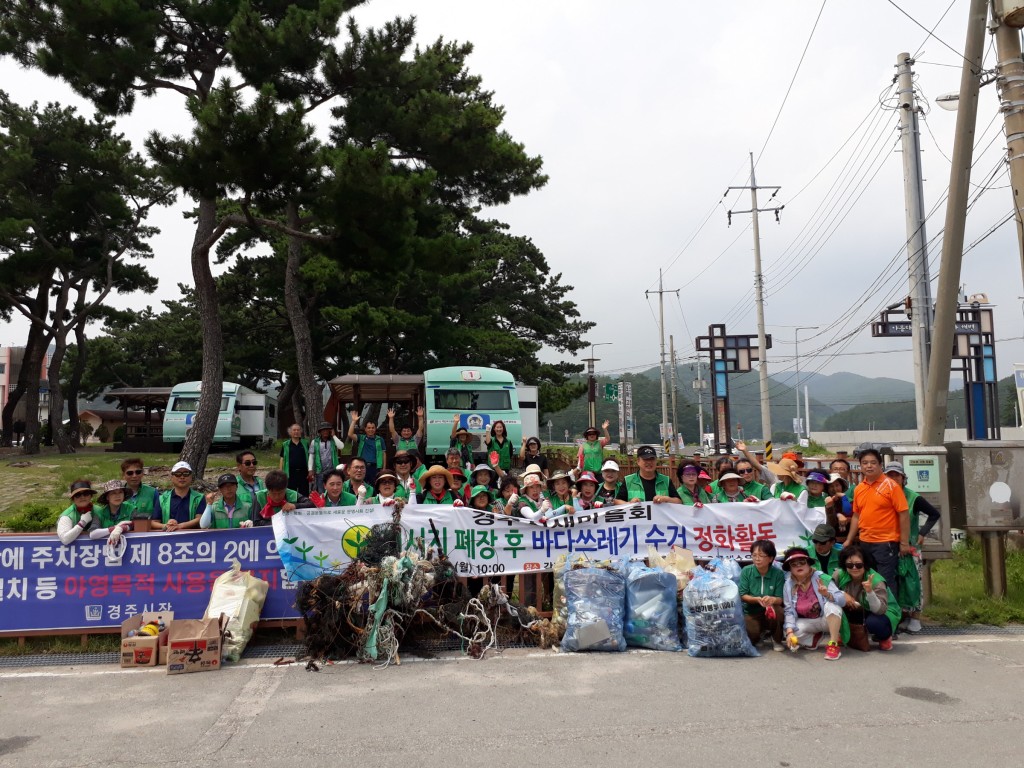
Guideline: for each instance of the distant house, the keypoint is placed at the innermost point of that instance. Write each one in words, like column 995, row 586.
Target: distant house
column 111, row 418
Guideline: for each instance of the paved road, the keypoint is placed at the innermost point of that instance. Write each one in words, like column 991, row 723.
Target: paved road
column 932, row 701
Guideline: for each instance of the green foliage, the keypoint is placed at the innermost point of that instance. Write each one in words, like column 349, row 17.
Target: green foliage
column 103, row 434
column 958, row 587
column 34, row 517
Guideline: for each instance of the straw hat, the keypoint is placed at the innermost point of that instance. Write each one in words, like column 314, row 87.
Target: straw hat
column 785, row 468
column 434, row 471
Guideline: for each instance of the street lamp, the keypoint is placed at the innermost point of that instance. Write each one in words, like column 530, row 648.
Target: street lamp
column 796, row 354
column 591, row 383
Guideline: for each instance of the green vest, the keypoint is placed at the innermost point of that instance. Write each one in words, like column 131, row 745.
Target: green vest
column 831, row 563
column 915, row 524
column 428, row 498
column 346, row 487
column 526, row 501
column 241, row 512
column 816, row 502
column 719, row 497
column 892, row 610
column 757, row 490
column 195, row 498
column 123, row 514
column 402, row 492
column 72, row 512
column 378, row 442
column 406, row 444
column 346, row 499
column 690, row 499
column 315, row 447
column 504, row 453
column 144, row 500
column 593, row 455
column 243, row 492
column 635, row 487
column 780, row 488
column 286, row 452
column 292, row 497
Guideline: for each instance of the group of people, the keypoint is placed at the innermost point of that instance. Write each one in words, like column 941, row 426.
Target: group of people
column 844, row 590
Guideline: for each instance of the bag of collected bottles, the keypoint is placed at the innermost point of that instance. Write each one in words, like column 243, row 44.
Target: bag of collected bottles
column 652, row 619
column 596, row 601
column 714, row 617
column 725, row 566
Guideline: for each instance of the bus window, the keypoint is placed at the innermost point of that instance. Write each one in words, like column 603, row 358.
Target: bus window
column 485, row 400
column 191, row 403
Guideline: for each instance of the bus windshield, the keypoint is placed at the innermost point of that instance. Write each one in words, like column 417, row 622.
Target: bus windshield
column 485, row 400
column 191, row 403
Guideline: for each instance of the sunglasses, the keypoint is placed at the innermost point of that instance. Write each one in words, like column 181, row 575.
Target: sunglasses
column 80, row 494
column 133, row 472
column 403, row 461
column 744, row 471
column 182, row 474
column 252, row 463
column 854, row 565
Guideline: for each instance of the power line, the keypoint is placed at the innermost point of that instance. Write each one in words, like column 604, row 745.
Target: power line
column 931, row 32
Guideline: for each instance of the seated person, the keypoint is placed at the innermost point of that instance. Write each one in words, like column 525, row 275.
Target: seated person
column 179, row 507
column 825, row 556
column 871, row 610
column 813, row 605
column 278, row 497
column 230, row 510
column 761, row 586
column 81, row 516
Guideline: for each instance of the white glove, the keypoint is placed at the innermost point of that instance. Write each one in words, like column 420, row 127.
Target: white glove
column 545, row 506
column 245, row 524
column 361, row 493
column 513, row 499
column 598, row 504
column 116, row 532
column 410, row 484
column 786, row 496
column 458, row 503
column 388, row 502
column 85, row 519
column 574, row 474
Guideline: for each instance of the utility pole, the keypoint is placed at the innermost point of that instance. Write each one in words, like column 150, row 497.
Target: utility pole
column 933, row 432
column 698, row 385
column 661, row 325
column 762, row 347
column 1010, row 82
column 675, row 411
column 796, row 355
column 920, row 304
column 592, row 382
column 807, row 409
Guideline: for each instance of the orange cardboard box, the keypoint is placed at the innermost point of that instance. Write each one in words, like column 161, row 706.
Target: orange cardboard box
column 143, row 651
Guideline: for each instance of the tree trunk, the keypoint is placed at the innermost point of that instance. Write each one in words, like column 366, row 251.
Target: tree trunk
column 284, row 397
column 30, row 445
column 26, row 379
column 312, row 393
column 75, row 384
column 58, row 434
column 199, row 438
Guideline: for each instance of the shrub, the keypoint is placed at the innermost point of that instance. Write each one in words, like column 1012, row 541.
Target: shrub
column 34, row 517
column 103, row 434
column 119, row 434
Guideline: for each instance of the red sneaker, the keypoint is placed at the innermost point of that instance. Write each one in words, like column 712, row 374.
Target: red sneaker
column 832, row 651
column 885, row 645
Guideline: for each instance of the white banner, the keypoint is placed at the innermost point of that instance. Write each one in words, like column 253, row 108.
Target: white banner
column 481, row 543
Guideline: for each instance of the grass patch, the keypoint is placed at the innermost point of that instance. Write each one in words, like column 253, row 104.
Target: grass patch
column 58, row 644
column 958, row 590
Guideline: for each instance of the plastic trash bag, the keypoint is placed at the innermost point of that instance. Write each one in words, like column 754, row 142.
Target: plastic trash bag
column 240, row 596
column 726, row 566
column 714, row 617
column 596, row 600
column 652, row 618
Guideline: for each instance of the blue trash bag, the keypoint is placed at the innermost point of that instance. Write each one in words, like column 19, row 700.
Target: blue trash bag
column 726, row 566
column 596, row 601
column 652, row 619
column 714, row 617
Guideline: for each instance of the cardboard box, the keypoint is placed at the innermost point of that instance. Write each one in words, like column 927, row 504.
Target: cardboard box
column 143, row 651
column 194, row 645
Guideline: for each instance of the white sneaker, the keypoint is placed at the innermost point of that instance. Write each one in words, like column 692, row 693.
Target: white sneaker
column 914, row 626
column 779, row 647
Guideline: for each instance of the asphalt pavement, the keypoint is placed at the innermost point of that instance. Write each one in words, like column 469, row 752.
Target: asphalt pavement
column 940, row 701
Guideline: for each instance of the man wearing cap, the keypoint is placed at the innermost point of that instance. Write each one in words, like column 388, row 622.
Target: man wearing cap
column 825, row 556
column 461, row 440
column 229, row 511
column 177, row 508
column 608, row 490
column 323, row 455
column 138, row 495
column 648, row 484
column 591, row 453
column 880, row 518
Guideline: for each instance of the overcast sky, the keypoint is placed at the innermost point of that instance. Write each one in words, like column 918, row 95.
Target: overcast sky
column 645, row 113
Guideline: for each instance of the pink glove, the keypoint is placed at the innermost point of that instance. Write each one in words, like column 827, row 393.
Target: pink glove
column 245, row 524
column 458, row 503
column 698, row 504
column 787, row 497
column 410, row 484
column 598, row 504
column 542, row 520
column 388, row 502
column 751, row 499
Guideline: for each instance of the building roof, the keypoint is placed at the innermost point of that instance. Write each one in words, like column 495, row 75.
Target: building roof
column 140, row 397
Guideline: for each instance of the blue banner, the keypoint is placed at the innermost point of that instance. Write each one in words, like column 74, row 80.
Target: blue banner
column 45, row 585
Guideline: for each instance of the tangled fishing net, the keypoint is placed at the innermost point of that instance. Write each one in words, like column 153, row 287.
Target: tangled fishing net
column 366, row 610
